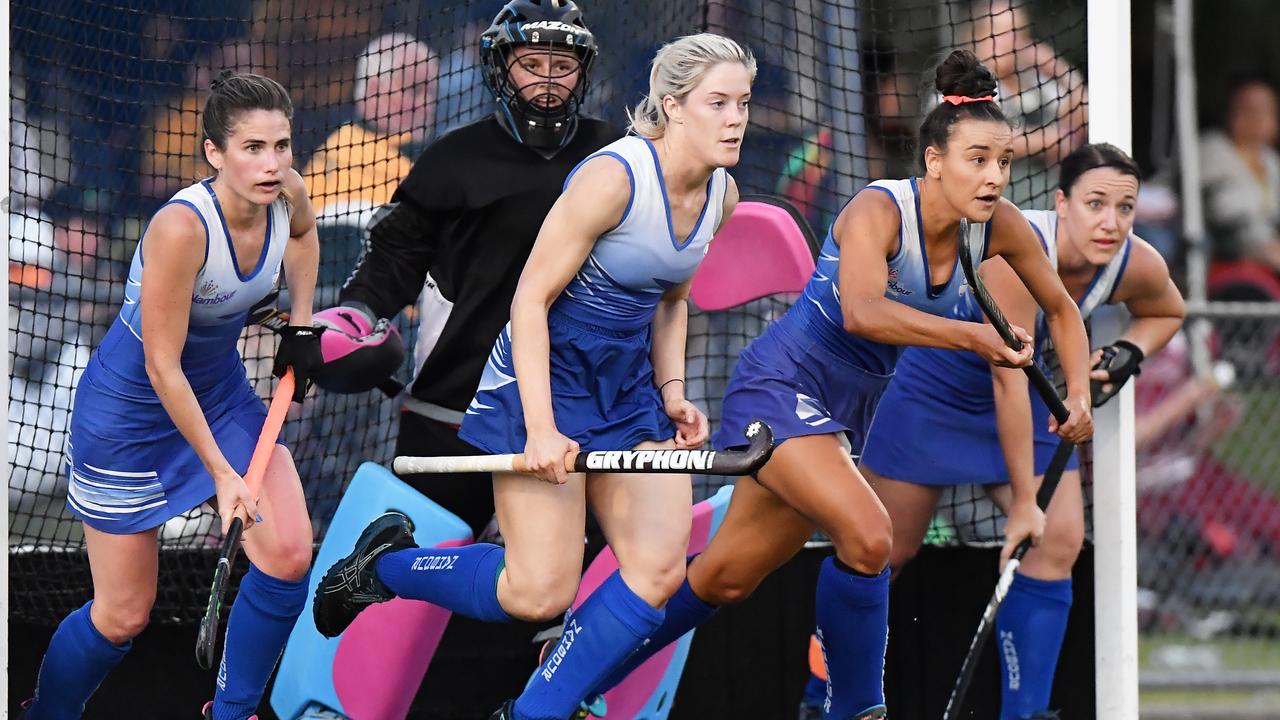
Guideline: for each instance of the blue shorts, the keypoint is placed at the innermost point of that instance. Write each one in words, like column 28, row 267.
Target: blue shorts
column 938, row 425
column 602, row 391
column 131, row 470
column 797, row 386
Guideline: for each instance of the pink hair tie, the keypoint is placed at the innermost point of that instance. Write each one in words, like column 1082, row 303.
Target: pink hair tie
column 962, row 99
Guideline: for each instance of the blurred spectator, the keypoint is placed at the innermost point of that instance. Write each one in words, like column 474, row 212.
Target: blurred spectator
column 1039, row 90
column 171, row 157
column 39, row 148
column 461, row 94
column 361, row 163
column 1240, row 170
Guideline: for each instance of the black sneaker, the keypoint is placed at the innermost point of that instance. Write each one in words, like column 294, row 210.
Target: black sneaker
column 506, row 712
column 352, row 583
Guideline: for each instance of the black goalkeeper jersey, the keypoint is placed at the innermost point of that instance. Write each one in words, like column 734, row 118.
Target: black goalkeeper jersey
column 479, row 198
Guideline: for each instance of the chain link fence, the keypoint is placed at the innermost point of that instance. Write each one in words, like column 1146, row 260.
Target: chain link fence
column 1208, row 473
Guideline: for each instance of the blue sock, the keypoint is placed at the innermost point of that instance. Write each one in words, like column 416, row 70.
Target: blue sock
column 1029, row 630
column 684, row 612
column 815, row 692
column 461, row 579
column 77, row 661
column 261, row 618
column 611, row 625
column 853, row 627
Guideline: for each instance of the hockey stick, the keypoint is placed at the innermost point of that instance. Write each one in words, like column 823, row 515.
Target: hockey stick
column 998, row 321
column 986, row 624
column 277, row 320
column 727, row 462
column 1050, row 483
column 207, row 639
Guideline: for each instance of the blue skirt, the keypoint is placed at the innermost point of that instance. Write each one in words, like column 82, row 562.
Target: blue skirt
column 130, row 470
column 937, row 425
column 602, row 391
column 799, row 387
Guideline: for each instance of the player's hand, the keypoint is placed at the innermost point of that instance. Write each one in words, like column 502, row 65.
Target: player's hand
column 692, row 427
column 988, row 343
column 234, row 499
column 544, row 452
column 300, row 350
column 1079, row 425
column 1026, row 520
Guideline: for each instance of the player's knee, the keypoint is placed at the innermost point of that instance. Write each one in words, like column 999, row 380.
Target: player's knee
column 537, row 599
column 1060, row 547
column 866, row 546
column 656, row 583
column 721, row 585
column 122, row 621
column 294, row 561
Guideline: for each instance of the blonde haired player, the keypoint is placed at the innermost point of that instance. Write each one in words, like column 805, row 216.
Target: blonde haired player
column 593, row 359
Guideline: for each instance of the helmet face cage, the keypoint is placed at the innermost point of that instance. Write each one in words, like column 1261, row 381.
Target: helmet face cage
column 545, row 119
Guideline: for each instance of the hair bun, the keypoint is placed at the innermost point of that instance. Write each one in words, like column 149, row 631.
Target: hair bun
column 222, row 78
column 963, row 74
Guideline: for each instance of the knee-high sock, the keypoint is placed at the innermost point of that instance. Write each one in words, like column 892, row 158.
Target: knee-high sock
column 261, row 619
column 815, row 692
column 1029, row 631
column 853, row 627
column 77, row 661
column 611, row 625
column 461, row 579
column 684, row 612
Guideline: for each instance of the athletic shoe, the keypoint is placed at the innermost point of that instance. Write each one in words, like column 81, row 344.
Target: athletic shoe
column 878, row 712
column 809, row 712
column 207, row 712
column 352, row 584
column 506, row 712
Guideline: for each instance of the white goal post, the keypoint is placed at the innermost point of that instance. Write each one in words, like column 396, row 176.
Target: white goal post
column 1115, row 486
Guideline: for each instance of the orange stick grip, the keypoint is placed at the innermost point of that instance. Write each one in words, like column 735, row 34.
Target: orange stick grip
column 270, row 433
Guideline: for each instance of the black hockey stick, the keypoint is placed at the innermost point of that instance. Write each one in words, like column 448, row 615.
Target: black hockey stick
column 207, row 638
column 986, row 624
column 713, row 462
column 998, row 321
column 1050, row 483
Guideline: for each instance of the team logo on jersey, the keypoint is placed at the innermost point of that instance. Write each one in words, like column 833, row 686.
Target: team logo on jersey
column 207, row 293
column 894, row 285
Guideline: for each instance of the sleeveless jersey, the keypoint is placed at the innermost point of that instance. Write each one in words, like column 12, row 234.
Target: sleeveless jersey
column 220, row 300
column 818, row 309
column 967, row 373
column 632, row 265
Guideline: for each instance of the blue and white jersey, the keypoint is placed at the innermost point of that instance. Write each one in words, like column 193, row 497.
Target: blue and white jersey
column 909, row 282
column 220, row 300
column 967, row 373
column 1107, row 278
column 632, row 265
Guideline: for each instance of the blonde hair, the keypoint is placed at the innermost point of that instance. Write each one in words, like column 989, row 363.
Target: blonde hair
column 677, row 69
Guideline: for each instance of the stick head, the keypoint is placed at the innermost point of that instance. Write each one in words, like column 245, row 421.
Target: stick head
column 759, row 446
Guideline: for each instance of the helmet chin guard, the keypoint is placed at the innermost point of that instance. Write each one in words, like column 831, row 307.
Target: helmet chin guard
column 545, row 118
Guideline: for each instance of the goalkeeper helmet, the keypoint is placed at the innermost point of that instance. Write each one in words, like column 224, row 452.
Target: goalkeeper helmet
column 541, row 113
